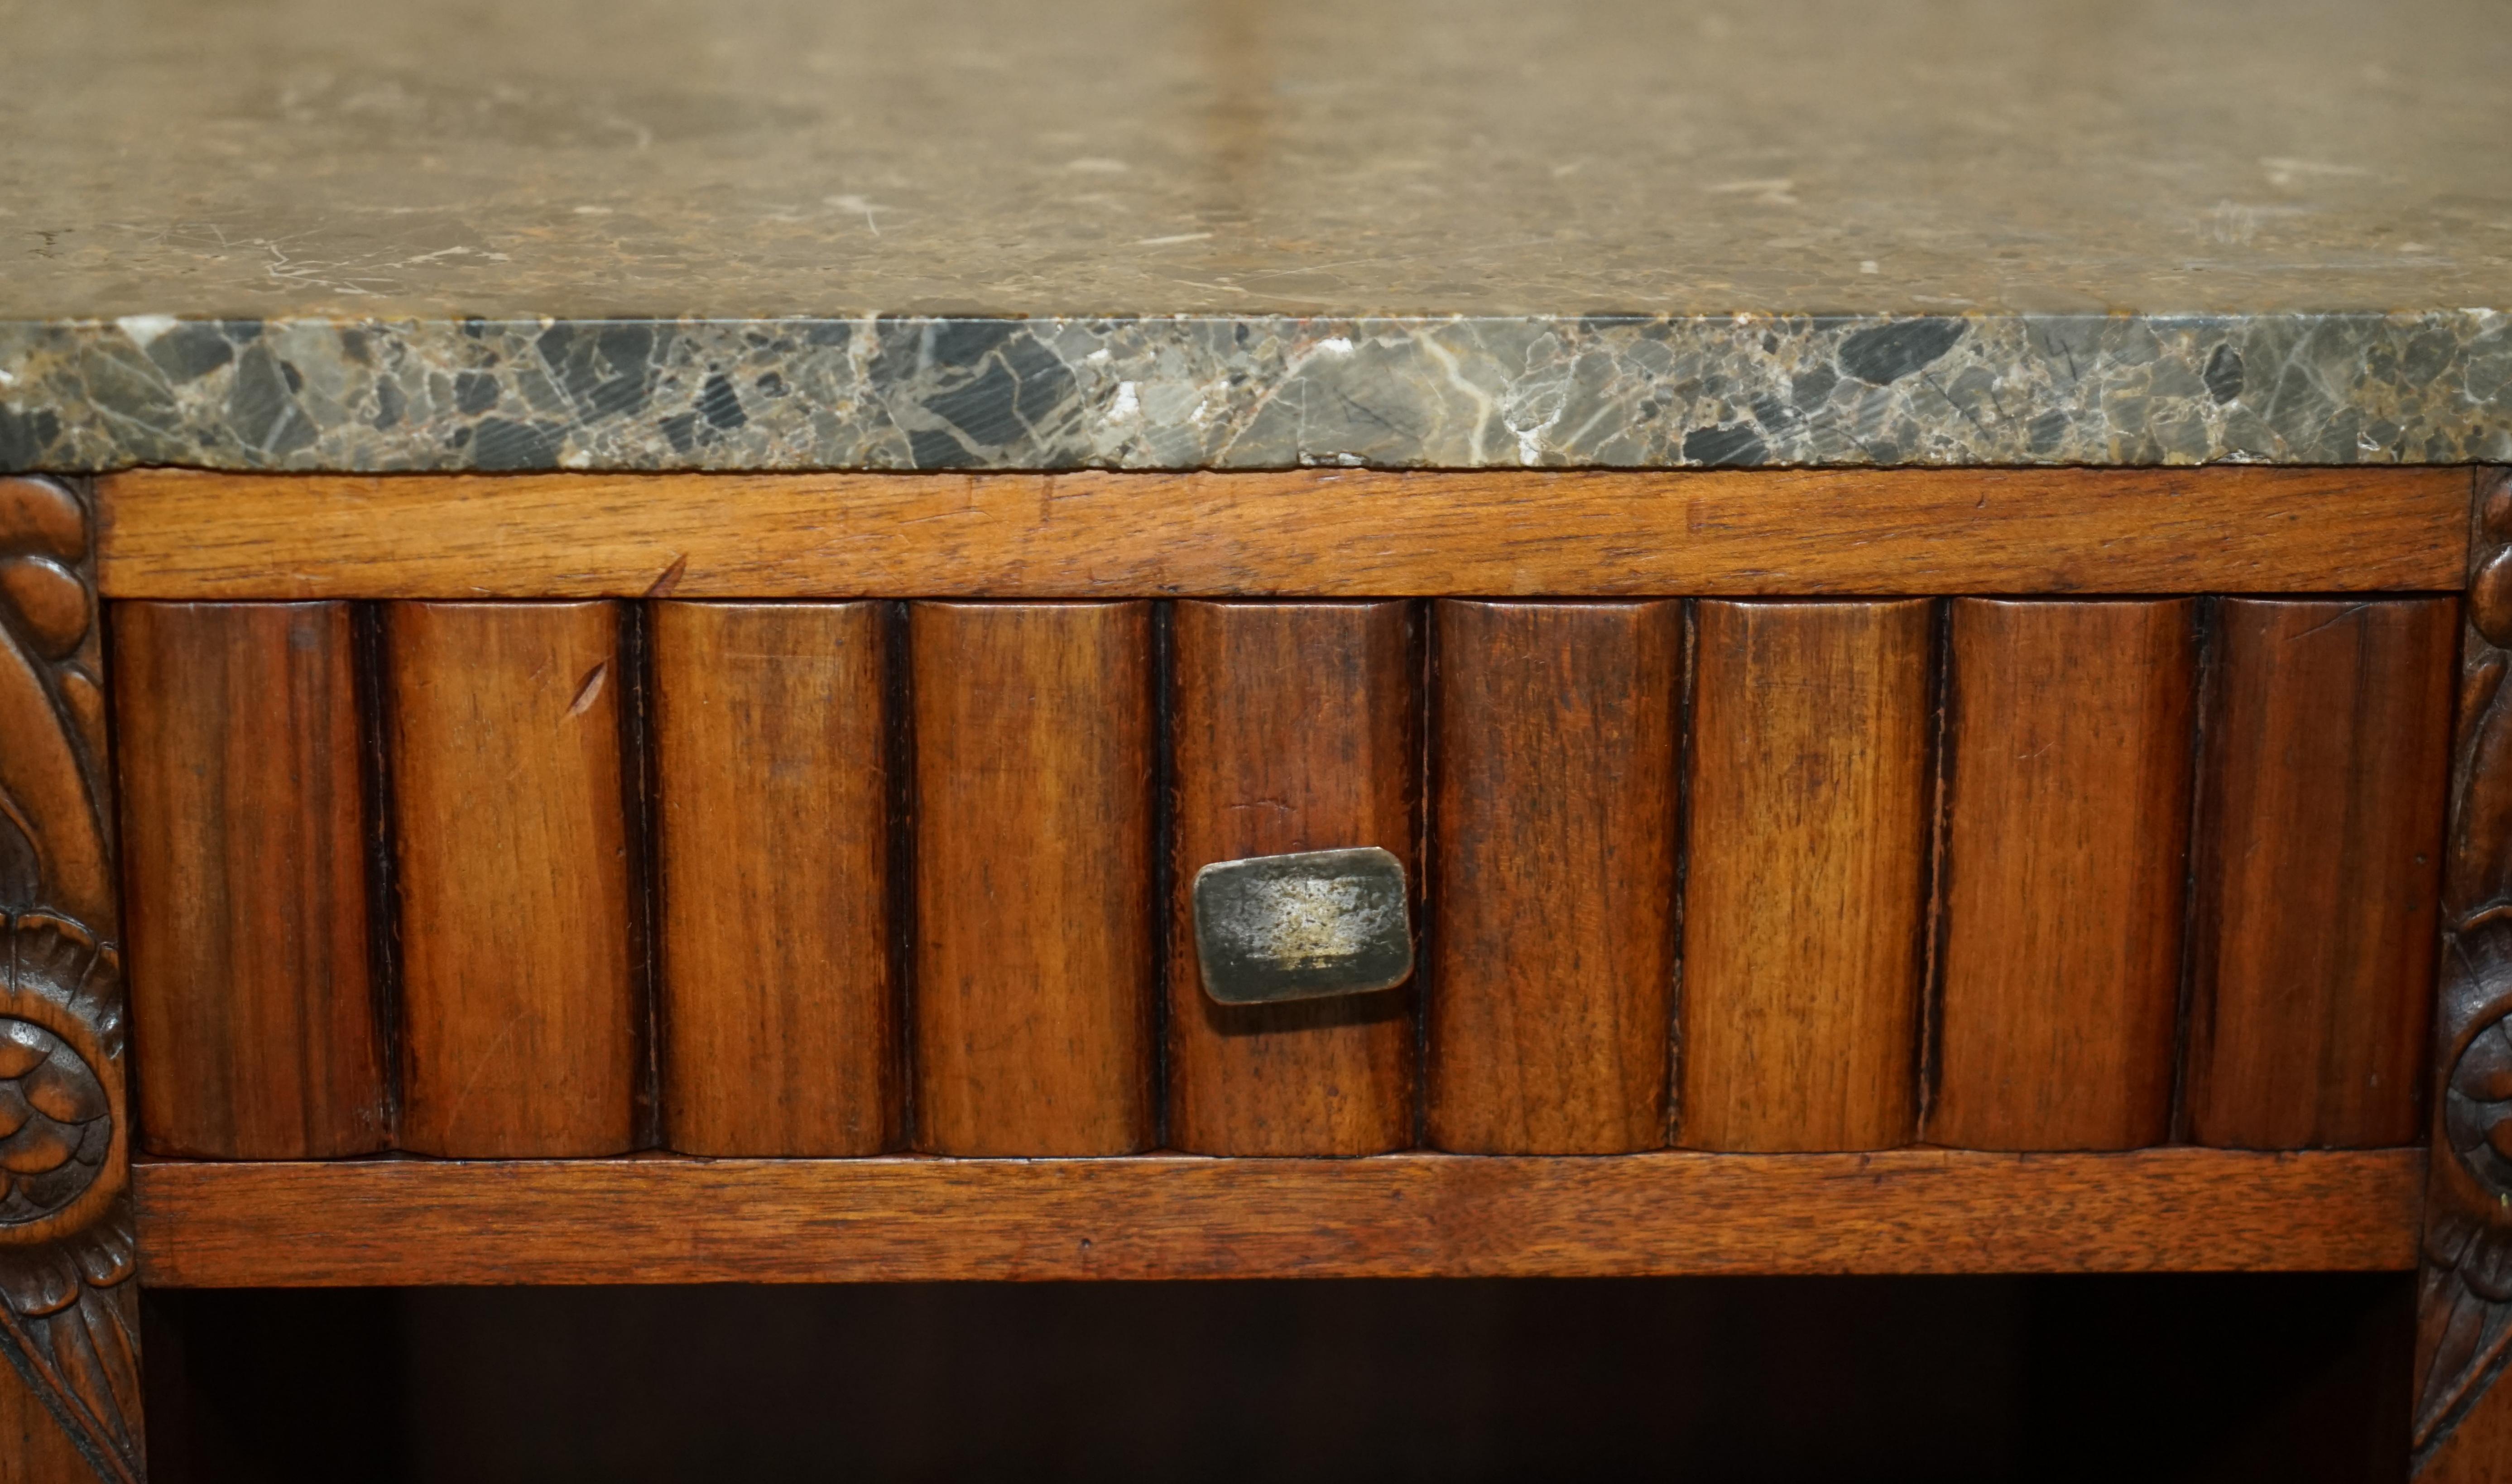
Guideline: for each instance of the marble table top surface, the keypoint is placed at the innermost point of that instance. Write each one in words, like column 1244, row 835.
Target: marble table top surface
column 1252, row 233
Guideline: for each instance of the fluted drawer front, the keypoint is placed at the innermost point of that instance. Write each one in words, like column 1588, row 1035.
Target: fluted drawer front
column 514, row 841
column 845, row 879
column 1033, row 964
column 1807, row 881
column 247, row 831
column 776, row 975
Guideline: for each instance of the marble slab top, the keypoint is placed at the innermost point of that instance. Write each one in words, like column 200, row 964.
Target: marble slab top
column 631, row 234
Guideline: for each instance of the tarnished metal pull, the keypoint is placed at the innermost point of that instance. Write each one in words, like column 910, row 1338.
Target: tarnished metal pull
column 1303, row 927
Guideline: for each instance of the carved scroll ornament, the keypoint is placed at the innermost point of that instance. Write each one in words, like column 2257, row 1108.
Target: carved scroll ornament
column 68, row 1310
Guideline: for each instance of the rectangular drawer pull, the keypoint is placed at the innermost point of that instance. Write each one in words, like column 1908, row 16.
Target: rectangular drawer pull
column 1303, row 927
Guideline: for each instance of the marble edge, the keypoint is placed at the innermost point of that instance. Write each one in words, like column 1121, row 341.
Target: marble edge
column 1253, row 392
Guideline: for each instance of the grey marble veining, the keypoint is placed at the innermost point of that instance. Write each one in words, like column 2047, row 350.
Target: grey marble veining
column 1258, row 393
column 1252, row 233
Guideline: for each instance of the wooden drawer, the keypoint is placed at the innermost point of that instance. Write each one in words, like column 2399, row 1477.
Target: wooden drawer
column 708, row 877
column 1996, row 871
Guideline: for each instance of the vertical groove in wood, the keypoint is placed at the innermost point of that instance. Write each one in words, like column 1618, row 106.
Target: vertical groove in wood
column 1802, row 911
column 2325, row 764
column 2065, row 866
column 1553, row 966
column 244, row 837
column 521, row 1035
column 898, row 759
column 1426, row 850
column 1293, row 731
column 382, row 860
column 777, row 1001
column 1686, row 678
column 1928, row 1069
column 1034, row 939
column 639, row 822
column 1163, row 857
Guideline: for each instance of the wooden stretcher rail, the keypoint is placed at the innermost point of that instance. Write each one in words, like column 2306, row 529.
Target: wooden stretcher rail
column 750, row 1220
column 1323, row 533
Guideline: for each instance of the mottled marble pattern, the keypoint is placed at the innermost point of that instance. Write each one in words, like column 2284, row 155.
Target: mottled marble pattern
column 1256, row 392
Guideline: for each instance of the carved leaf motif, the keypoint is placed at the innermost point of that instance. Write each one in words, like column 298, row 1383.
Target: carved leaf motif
column 69, row 1321
column 43, row 785
column 80, row 1350
column 2481, row 834
column 2464, row 1320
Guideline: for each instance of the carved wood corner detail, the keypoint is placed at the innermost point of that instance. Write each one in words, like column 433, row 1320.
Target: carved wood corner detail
column 68, row 1307
column 2464, row 1302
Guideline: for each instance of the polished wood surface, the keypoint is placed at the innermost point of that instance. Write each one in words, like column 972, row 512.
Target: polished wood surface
column 1034, row 969
column 1806, row 875
column 1294, row 731
column 245, row 839
column 521, row 1031
column 2479, row 1450
column 1551, row 957
column 33, row 1447
column 1319, row 534
column 780, row 1006
column 676, row 1221
column 2066, row 858
column 2322, row 773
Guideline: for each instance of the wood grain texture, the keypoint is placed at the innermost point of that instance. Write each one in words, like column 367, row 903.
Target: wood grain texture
column 521, row 1034
column 778, row 1002
column 1033, row 942
column 33, row 1447
column 1294, row 731
column 1807, row 876
column 245, row 835
column 1321, row 534
column 674, row 1220
column 2065, row 857
column 1552, row 952
column 2325, row 764
column 2478, row 1451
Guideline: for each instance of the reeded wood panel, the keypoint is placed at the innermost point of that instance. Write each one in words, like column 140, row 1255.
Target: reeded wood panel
column 2066, row 855
column 773, row 842
column 1293, row 731
column 2326, row 759
column 244, row 837
column 520, row 1028
column 1033, row 964
column 1806, row 875
column 1552, row 943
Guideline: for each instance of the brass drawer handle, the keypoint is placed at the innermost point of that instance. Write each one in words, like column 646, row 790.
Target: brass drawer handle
column 1303, row 927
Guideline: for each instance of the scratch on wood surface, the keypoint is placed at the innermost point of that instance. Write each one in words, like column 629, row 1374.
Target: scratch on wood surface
column 662, row 586
column 590, row 692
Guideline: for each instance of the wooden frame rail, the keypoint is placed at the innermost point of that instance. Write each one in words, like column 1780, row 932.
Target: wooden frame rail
column 1320, row 534
column 769, row 1220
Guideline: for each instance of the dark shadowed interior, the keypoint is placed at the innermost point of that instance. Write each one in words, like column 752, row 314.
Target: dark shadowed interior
column 2299, row 1378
